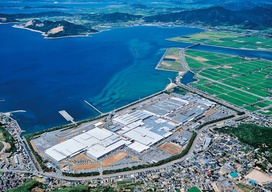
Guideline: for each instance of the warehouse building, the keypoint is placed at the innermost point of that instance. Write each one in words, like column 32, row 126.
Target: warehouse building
column 97, row 142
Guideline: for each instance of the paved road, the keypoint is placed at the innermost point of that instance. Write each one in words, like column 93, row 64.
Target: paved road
column 183, row 60
column 57, row 176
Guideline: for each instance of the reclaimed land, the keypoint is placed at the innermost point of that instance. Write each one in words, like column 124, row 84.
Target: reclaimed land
column 171, row 60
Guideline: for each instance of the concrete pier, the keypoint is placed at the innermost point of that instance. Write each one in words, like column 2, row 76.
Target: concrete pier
column 93, row 107
column 66, row 116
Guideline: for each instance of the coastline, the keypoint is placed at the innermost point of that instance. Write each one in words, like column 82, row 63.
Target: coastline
column 46, row 37
column 143, row 25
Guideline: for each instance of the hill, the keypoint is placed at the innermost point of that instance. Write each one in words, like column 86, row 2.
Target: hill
column 58, row 28
column 257, row 18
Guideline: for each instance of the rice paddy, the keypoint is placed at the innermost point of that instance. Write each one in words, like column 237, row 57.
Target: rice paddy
column 225, row 39
column 242, row 82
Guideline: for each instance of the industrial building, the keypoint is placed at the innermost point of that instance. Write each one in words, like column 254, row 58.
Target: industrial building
column 136, row 129
column 97, row 142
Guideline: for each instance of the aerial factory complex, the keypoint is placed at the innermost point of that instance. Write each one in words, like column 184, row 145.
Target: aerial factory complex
column 147, row 132
column 210, row 129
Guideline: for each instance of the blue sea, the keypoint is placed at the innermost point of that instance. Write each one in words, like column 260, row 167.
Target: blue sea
column 109, row 69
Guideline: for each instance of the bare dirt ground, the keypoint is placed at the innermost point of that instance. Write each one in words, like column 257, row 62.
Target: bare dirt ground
column 34, row 146
column 201, row 59
column 85, row 166
column 172, row 57
column 259, row 176
column 171, row 148
column 113, row 159
column 81, row 157
column 55, row 30
column 209, row 112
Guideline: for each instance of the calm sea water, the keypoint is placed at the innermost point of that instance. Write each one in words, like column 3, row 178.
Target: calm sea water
column 109, row 69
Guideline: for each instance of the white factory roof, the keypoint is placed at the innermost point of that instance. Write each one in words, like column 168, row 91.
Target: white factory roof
column 98, row 150
column 135, row 124
column 125, row 119
column 64, row 149
column 97, row 141
column 98, row 124
column 131, row 117
column 139, row 147
column 143, row 136
column 100, row 133
column 179, row 99
column 86, row 139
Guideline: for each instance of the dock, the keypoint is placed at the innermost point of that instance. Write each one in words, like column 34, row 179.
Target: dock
column 93, row 107
column 66, row 116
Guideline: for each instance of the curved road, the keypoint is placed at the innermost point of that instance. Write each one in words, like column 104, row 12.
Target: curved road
column 58, row 176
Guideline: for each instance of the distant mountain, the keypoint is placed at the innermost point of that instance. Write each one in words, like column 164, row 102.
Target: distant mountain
column 257, row 18
column 34, row 15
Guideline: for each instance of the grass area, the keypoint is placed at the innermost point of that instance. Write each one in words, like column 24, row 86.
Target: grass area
column 244, row 43
column 6, row 137
column 267, row 111
column 177, row 90
column 194, row 189
column 254, row 135
column 79, row 188
column 171, row 60
column 203, row 37
column 128, row 185
column 1, row 146
column 124, row 182
column 224, row 39
column 172, row 65
column 203, row 59
column 244, row 188
column 27, row 186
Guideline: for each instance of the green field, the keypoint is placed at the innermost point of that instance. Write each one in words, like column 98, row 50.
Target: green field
column 171, row 60
column 6, row 137
column 1, row 146
column 203, row 59
column 242, row 82
column 225, row 39
column 194, row 189
column 203, row 37
column 27, row 186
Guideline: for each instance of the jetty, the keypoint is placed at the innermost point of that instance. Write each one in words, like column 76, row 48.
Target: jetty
column 93, row 107
column 66, row 116
column 170, row 85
